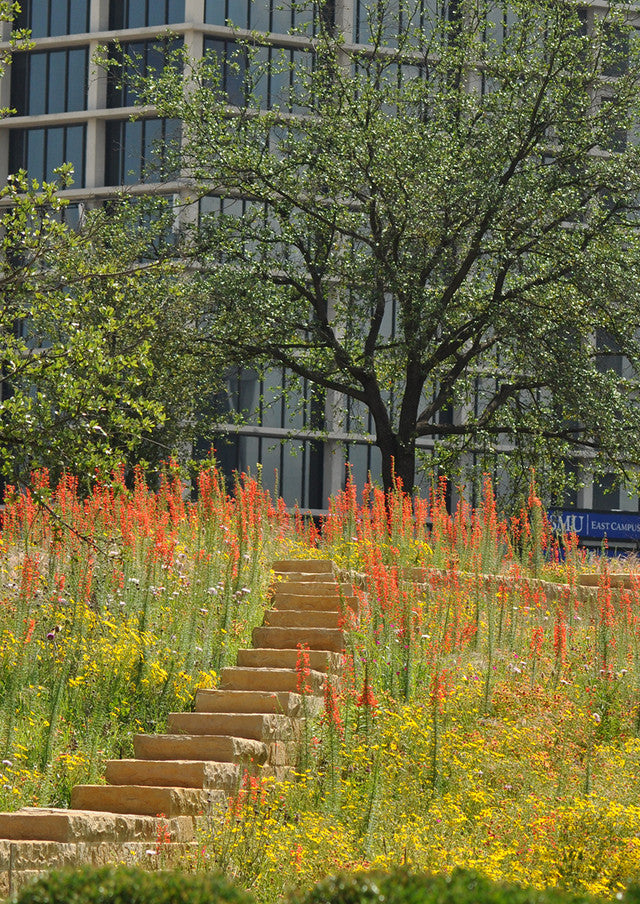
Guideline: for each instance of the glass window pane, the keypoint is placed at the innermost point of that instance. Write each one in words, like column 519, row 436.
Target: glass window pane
column 55, row 151
column 272, row 399
column 248, row 453
column 136, row 13
column 77, row 80
column 132, row 153
column 57, row 81
column 78, row 16
column 235, row 74
column 37, row 101
column 176, row 11
column 74, row 153
column 35, row 154
column 153, row 149
column 259, row 15
column 279, row 79
column 215, row 12
column 157, row 13
column 39, row 18
column 249, row 394
column 58, row 17
column 281, row 17
column 20, row 83
column 238, row 12
column 117, row 14
column 291, row 477
column 17, row 150
column 271, row 452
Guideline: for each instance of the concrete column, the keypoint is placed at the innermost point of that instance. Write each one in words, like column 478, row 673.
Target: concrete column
column 194, row 11
column 99, row 16
column 344, row 18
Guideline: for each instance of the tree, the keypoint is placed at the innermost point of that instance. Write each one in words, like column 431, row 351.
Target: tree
column 444, row 221
column 89, row 321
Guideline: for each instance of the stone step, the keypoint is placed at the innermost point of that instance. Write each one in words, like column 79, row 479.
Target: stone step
column 21, row 862
column 221, row 748
column 303, row 618
column 311, row 566
column 236, row 678
column 315, row 588
column 146, row 800
column 330, row 639
column 268, row 658
column 256, row 726
column 284, row 600
column 49, row 824
column 201, row 774
column 285, row 703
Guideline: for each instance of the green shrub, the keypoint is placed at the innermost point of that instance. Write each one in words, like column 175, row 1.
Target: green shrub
column 131, row 885
column 404, row 887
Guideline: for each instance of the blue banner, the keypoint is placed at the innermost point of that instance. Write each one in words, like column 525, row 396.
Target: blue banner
column 597, row 525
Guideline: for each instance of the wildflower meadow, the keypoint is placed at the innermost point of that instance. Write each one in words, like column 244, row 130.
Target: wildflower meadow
column 487, row 713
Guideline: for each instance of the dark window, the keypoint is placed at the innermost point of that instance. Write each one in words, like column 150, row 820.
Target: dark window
column 49, row 81
column 606, row 492
column 40, row 151
column 381, row 21
column 141, row 13
column 53, row 17
column 278, row 16
column 135, row 58
column 274, row 79
column 138, row 151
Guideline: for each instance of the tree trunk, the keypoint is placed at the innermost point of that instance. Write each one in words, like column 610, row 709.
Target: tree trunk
column 398, row 463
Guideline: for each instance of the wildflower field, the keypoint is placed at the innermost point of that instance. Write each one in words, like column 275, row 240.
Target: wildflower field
column 484, row 718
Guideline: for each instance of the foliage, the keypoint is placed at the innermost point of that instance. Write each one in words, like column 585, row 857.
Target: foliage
column 489, row 721
column 449, row 218
column 110, row 885
column 88, row 334
column 404, row 887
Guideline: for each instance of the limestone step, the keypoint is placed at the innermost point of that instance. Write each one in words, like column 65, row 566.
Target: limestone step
column 315, row 588
column 221, row 748
column 330, row 639
column 222, row 701
column 312, row 566
column 23, row 861
column 201, row 774
column 236, row 678
column 145, row 799
column 284, row 600
column 303, row 618
column 269, row 658
column 48, row 824
column 256, row 726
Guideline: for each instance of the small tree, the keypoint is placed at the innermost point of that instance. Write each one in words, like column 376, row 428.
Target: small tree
column 443, row 221
column 87, row 334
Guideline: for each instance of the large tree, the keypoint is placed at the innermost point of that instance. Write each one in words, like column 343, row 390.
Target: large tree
column 443, row 221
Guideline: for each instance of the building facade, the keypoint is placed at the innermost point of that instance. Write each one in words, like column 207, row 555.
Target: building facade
column 68, row 110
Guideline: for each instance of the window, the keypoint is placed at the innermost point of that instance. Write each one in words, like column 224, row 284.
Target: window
column 279, row 16
column 49, row 82
column 144, row 13
column 139, row 151
column 135, row 57
column 272, row 80
column 606, row 492
column 381, row 21
column 40, row 151
column 53, row 17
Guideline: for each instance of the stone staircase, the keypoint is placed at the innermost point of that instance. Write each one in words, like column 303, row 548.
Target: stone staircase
column 251, row 722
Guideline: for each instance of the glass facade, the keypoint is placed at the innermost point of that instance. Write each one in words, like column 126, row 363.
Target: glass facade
column 40, row 151
column 46, row 18
column 268, row 74
column 53, row 81
column 138, row 151
column 135, row 58
column 277, row 16
column 145, row 13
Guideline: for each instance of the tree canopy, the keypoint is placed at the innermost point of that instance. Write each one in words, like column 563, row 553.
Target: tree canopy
column 441, row 227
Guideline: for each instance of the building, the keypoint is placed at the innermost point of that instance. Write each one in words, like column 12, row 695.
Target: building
column 68, row 110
